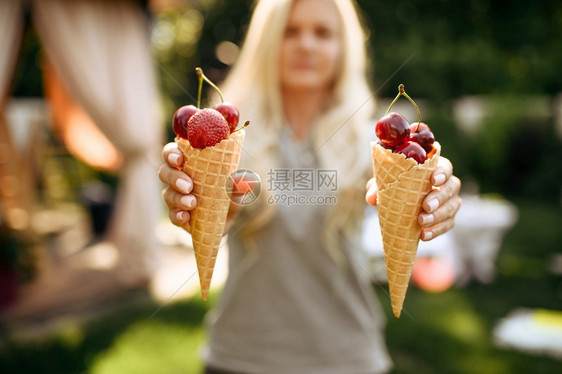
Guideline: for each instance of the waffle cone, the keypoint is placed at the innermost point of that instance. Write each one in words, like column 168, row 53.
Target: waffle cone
column 209, row 169
column 402, row 185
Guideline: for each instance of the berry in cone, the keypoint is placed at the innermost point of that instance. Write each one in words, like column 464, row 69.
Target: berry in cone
column 211, row 150
column 403, row 172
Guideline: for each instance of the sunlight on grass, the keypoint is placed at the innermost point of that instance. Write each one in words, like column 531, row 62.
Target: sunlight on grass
column 448, row 332
column 468, row 330
column 456, row 337
column 463, row 325
column 474, row 363
column 452, row 314
column 152, row 346
column 72, row 335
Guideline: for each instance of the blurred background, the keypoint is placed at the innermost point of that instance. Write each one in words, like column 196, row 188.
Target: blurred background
column 89, row 284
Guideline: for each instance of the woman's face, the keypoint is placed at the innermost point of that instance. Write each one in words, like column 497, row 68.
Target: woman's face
column 310, row 51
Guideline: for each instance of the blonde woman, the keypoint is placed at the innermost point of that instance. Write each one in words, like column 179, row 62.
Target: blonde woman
column 298, row 298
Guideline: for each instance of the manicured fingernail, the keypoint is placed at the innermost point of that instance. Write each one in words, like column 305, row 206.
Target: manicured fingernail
column 188, row 201
column 439, row 179
column 173, row 158
column 427, row 219
column 427, row 235
column 180, row 215
column 433, row 204
column 183, row 185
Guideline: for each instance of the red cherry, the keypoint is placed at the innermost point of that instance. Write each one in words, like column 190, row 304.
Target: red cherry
column 422, row 135
column 230, row 113
column 379, row 142
column 393, row 129
column 413, row 150
column 181, row 116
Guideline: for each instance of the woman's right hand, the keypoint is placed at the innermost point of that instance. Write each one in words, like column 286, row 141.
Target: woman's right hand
column 177, row 194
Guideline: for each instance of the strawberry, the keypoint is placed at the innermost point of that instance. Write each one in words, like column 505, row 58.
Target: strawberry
column 207, row 128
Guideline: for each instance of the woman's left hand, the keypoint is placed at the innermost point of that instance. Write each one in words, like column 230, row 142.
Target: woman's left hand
column 439, row 206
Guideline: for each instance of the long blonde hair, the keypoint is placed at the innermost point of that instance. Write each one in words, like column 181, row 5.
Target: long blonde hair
column 339, row 135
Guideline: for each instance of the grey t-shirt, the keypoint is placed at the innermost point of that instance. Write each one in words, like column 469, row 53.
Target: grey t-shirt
column 288, row 307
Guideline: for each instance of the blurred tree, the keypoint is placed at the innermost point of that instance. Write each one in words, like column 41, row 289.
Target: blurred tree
column 186, row 38
column 448, row 48
column 27, row 79
column 471, row 47
column 440, row 49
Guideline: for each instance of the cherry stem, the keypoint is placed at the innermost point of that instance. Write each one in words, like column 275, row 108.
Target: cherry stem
column 202, row 77
column 402, row 92
column 199, row 91
column 243, row 126
column 415, row 106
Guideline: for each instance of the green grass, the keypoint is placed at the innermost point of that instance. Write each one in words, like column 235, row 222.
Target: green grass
column 450, row 332
column 135, row 340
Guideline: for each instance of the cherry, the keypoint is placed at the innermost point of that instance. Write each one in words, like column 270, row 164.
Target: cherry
column 392, row 129
column 181, row 116
column 379, row 142
column 230, row 113
column 413, row 150
column 421, row 134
